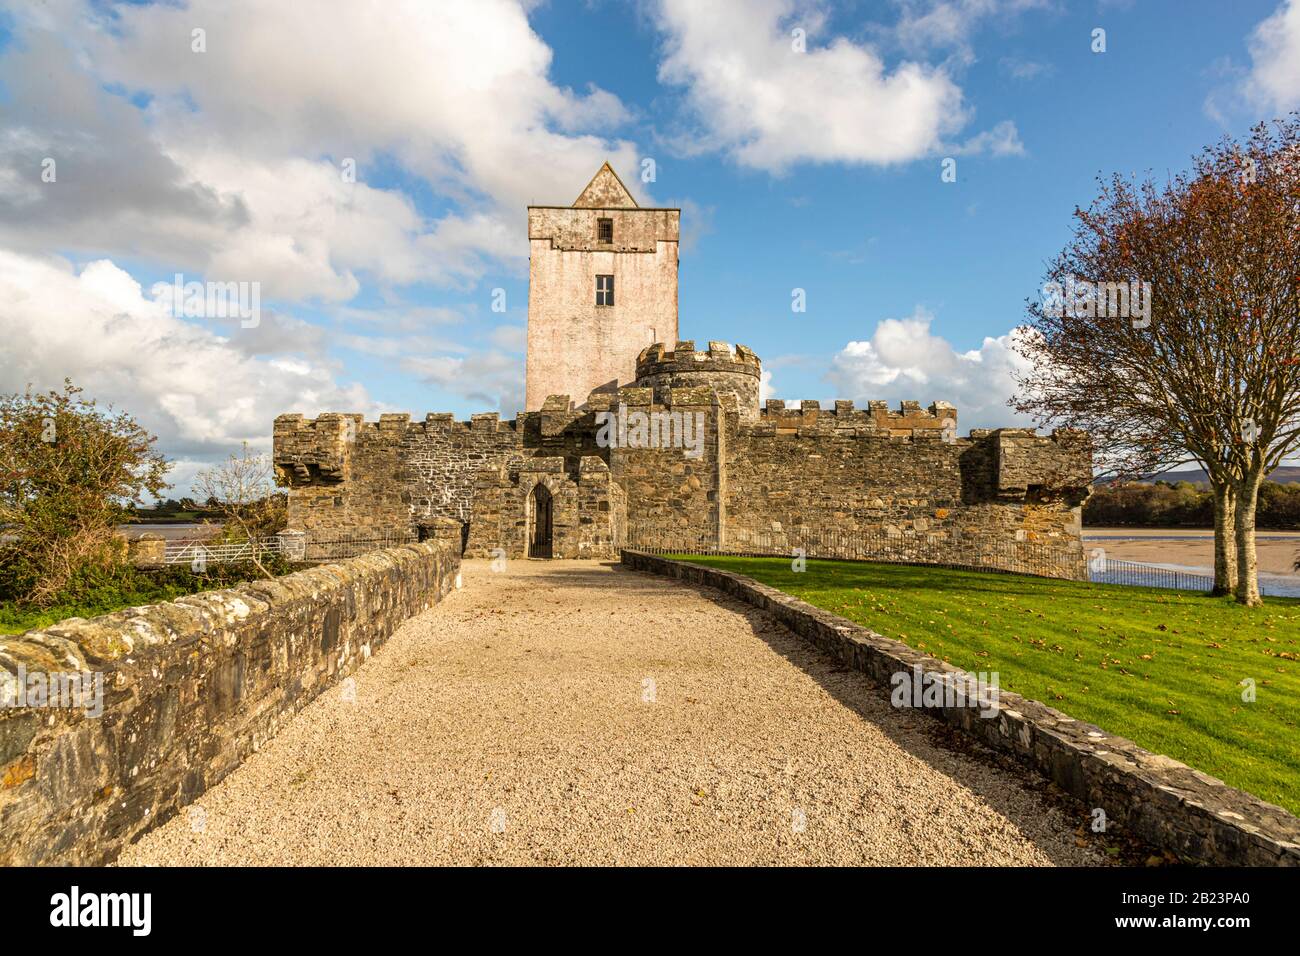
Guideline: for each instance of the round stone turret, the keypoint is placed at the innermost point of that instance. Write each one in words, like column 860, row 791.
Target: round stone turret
column 729, row 373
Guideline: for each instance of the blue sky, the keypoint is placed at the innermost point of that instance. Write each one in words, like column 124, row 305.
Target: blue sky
column 816, row 169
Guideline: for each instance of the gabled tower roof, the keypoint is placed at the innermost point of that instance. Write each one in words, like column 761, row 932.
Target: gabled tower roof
column 605, row 191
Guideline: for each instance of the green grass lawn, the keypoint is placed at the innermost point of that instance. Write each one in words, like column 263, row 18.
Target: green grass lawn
column 1160, row 667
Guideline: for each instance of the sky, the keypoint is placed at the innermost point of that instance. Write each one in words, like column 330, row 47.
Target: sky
column 366, row 170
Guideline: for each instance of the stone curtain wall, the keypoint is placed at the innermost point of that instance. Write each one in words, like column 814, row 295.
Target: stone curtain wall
column 443, row 459
column 1162, row 801
column 672, row 498
column 389, row 475
column 191, row 688
column 854, row 476
column 848, row 482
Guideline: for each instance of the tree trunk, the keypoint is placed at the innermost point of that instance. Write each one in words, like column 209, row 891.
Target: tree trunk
column 1225, row 541
column 1247, row 592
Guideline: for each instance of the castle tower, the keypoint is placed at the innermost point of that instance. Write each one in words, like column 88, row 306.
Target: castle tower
column 728, row 373
column 602, row 286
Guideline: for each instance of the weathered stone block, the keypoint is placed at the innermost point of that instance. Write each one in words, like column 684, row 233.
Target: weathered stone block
column 191, row 688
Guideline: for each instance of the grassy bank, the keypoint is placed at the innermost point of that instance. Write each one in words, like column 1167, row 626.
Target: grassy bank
column 132, row 587
column 1161, row 667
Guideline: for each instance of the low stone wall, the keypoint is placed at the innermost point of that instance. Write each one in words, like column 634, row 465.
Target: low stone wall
column 1160, row 800
column 189, row 689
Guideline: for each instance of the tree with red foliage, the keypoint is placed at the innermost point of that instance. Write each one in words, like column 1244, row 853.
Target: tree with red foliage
column 1211, row 372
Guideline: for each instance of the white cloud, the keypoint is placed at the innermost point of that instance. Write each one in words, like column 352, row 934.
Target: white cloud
column 201, row 393
column 770, row 106
column 903, row 360
column 1002, row 140
column 1021, row 69
column 944, row 25
column 232, row 169
column 227, row 165
column 927, row 25
column 487, row 378
column 1274, row 78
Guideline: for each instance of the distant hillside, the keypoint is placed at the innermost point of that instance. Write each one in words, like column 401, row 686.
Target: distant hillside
column 1285, row 475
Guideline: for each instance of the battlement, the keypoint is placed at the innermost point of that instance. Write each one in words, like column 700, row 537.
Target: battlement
column 876, row 419
column 319, row 451
column 693, row 458
column 1029, row 464
column 328, row 423
column 657, row 359
column 644, row 398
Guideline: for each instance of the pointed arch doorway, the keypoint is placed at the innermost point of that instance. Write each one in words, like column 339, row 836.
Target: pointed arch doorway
column 540, row 528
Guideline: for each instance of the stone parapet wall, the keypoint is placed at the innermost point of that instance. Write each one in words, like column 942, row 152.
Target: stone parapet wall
column 349, row 475
column 660, row 358
column 731, row 374
column 1160, row 800
column 782, row 417
column 574, row 230
column 190, row 689
column 865, row 489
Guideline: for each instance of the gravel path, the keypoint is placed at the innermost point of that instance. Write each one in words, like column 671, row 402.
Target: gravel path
column 569, row 712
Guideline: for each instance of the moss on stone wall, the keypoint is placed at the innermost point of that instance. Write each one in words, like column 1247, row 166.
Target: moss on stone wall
column 189, row 689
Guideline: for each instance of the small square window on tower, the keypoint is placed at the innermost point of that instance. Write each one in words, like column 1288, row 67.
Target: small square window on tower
column 605, row 230
column 604, row 290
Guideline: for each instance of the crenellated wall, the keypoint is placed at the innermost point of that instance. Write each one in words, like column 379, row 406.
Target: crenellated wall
column 346, row 474
column 782, row 477
column 876, row 419
column 728, row 373
column 903, row 481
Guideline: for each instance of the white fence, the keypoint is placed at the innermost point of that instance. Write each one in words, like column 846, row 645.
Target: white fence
column 316, row 547
column 203, row 553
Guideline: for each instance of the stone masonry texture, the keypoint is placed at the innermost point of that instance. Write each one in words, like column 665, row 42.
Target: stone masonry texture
column 1162, row 801
column 576, row 345
column 191, row 688
column 697, row 463
column 770, row 478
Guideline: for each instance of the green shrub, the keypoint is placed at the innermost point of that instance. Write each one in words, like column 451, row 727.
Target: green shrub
column 68, row 470
column 108, row 590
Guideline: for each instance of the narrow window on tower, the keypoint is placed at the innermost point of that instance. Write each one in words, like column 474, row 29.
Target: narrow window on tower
column 605, row 230
column 604, row 290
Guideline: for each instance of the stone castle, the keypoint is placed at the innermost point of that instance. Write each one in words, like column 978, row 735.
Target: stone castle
column 632, row 437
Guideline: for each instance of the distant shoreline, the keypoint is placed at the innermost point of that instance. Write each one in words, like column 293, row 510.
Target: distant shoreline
column 1191, row 548
column 171, row 530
